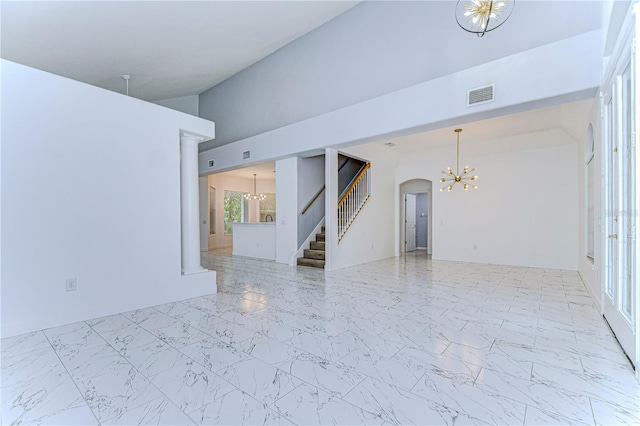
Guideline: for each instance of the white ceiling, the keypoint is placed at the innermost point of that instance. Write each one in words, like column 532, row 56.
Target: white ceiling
column 570, row 117
column 170, row 48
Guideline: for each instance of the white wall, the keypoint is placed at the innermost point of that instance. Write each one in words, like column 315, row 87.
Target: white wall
column 371, row 236
column 286, row 209
column 525, row 211
column 590, row 270
column 617, row 15
column 90, row 190
column 223, row 182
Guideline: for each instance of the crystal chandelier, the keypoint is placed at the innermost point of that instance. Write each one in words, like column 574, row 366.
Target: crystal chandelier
column 464, row 179
column 481, row 16
column 255, row 195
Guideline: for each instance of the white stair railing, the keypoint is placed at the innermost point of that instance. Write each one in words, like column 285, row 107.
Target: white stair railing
column 353, row 200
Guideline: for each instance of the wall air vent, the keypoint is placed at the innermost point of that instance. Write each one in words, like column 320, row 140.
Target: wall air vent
column 210, row 163
column 481, row 95
column 246, row 155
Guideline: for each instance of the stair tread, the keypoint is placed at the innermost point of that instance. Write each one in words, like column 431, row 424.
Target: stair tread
column 314, row 254
column 314, row 263
column 318, row 245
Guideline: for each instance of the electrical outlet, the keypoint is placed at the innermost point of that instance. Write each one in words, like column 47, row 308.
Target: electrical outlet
column 71, row 284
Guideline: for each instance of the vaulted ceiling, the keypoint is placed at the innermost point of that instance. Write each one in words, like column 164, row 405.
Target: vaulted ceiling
column 180, row 48
column 170, row 48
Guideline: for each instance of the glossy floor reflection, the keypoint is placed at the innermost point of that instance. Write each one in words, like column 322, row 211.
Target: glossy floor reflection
column 390, row 342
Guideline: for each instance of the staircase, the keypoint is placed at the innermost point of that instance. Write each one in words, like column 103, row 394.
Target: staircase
column 314, row 256
column 352, row 200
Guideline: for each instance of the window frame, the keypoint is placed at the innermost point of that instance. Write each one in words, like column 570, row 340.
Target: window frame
column 590, row 179
column 212, row 210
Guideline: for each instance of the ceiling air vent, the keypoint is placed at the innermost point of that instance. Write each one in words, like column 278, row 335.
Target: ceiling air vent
column 481, row 95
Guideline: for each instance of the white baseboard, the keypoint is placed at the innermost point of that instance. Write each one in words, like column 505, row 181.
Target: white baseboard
column 596, row 297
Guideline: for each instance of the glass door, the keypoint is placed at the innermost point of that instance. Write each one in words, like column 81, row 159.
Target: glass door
column 619, row 304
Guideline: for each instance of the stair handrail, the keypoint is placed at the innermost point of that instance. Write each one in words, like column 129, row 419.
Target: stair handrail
column 313, row 200
column 354, row 183
column 353, row 201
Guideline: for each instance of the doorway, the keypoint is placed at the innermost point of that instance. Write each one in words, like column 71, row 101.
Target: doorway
column 410, row 232
column 415, row 216
column 416, row 228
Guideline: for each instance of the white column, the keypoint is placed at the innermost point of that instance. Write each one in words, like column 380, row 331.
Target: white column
column 190, row 203
column 331, row 208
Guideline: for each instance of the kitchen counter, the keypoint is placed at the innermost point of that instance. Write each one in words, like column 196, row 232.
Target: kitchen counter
column 257, row 240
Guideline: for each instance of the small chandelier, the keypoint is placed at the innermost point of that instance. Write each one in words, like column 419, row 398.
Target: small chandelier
column 464, row 179
column 255, row 195
column 481, row 16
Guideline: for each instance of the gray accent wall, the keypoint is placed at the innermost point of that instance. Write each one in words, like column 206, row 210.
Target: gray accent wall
column 373, row 49
column 348, row 169
column 310, row 181
column 187, row 104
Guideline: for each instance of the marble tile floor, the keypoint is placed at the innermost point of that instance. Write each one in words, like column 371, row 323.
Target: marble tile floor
column 390, row 342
